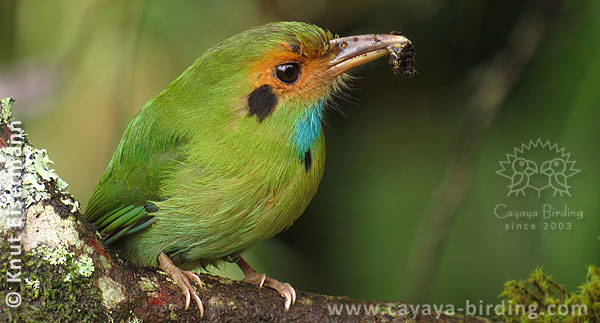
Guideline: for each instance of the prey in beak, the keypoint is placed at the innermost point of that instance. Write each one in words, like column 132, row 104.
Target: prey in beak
column 353, row 51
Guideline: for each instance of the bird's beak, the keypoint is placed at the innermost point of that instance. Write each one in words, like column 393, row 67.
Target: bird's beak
column 546, row 168
column 353, row 51
column 531, row 168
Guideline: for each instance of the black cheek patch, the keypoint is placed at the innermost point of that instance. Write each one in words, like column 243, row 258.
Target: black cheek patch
column 261, row 102
column 307, row 160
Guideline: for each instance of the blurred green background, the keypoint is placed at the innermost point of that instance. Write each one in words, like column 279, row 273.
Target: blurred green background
column 491, row 75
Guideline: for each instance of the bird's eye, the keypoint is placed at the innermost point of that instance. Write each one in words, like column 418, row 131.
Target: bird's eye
column 288, row 73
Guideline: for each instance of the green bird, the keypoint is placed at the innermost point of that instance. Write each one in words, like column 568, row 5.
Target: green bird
column 230, row 153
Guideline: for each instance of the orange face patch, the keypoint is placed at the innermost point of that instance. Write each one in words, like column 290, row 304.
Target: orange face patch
column 313, row 81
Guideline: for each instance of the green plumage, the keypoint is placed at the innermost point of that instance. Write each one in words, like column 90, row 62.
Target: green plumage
column 195, row 176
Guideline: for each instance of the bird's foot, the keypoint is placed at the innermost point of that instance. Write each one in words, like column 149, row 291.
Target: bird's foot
column 182, row 279
column 285, row 290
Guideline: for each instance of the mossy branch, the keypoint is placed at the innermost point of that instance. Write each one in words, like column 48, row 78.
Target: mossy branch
column 55, row 268
column 541, row 299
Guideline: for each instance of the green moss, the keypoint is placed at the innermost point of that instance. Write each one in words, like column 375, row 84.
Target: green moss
column 147, row 285
column 541, row 299
column 172, row 315
column 56, row 286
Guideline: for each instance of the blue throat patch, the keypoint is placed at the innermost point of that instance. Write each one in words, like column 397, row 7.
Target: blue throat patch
column 308, row 127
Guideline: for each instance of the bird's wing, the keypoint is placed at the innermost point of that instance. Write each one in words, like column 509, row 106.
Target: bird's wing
column 561, row 180
column 122, row 202
column 517, row 180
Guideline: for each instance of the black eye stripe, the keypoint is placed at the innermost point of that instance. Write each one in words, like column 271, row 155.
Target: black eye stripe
column 288, row 73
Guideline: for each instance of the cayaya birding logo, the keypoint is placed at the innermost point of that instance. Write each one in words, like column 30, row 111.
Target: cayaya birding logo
column 536, row 167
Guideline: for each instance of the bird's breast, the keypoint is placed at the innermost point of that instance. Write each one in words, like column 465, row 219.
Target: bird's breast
column 221, row 207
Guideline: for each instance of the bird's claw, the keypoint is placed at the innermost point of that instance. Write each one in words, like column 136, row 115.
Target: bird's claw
column 182, row 279
column 285, row 289
column 194, row 277
column 190, row 291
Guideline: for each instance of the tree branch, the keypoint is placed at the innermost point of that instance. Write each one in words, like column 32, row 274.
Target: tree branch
column 56, row 269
